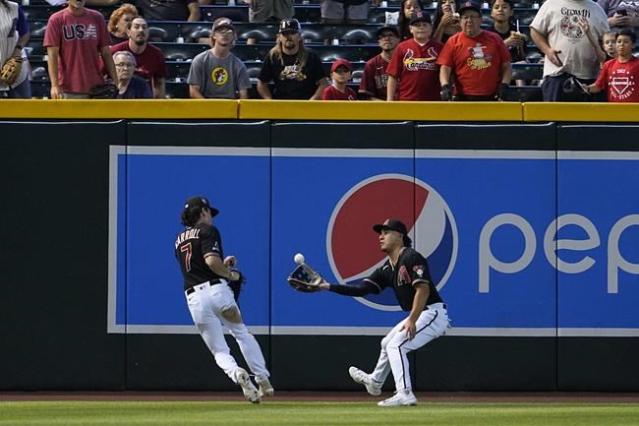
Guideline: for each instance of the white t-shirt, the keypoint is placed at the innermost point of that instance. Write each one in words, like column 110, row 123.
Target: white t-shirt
column 557, row 20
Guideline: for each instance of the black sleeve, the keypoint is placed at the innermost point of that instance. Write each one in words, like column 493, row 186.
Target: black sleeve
column 359, row 289
column 266, row 73
column 211, row 241
column 418, row 269
column 315, row 68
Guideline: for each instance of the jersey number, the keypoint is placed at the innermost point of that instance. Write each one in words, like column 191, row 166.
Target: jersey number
column 186, row 248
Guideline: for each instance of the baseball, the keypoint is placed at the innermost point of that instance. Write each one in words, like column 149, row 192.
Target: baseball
column 299, row 258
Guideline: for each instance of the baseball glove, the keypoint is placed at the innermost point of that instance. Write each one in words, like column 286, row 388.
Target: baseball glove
column 103, row 91
column 305, row 279
column 11, row 70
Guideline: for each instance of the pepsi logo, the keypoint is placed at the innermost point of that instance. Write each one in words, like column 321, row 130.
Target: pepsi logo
column 352, row 245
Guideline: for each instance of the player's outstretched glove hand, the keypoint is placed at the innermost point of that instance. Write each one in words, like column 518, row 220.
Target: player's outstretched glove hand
column 11, row 70
column 446, row 92
column 502, row 92
column 305, row 279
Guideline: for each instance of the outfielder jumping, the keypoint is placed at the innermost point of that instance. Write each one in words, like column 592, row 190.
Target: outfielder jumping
column 406, row 272
column 207, row 277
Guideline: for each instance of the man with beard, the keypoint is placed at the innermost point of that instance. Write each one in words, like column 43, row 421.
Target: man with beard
column 75, row 38
column 150, row 59
column 296, row 72
column 217, row 73
column 375, row 79
column 478, row 60
column 412, row 72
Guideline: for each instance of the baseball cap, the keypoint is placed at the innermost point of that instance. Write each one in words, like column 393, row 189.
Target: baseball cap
column 470, row 4
column 419, row 16
column 341, row 63
column 387, row 28
column 221, row 23
column 198, row 203
column 391, row 225
column 289, row 26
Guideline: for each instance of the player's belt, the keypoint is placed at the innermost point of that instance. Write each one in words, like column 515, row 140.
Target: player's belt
column 201, row 286
column 437, row 306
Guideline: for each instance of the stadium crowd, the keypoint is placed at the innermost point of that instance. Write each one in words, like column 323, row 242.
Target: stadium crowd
column 560, row 50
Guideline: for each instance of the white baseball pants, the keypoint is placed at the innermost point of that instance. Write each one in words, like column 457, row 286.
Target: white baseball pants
column 431, row 324
column 206, row 305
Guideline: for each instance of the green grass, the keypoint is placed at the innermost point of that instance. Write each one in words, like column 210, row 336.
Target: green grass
column 313, row 413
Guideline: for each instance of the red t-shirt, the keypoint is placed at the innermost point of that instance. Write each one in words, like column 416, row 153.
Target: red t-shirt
column 375, row 79
column 151, row 64
column 330, row 93
column 476, row 62
column 80, row 40
column 416, row 70
column 619, row 80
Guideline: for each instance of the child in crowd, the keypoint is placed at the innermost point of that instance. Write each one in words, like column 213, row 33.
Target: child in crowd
column 339, row 90
column 608, row 44
column 619, row 77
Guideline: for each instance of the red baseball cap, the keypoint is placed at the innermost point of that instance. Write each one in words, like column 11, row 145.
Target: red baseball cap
column 341, row 63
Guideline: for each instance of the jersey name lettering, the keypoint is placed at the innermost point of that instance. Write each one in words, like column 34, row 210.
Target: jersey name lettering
column 187, row 235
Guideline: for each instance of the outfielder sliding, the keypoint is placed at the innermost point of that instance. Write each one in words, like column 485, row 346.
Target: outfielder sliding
column 406, row 272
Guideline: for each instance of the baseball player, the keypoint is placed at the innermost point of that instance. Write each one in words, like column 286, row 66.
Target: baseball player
column 198, row 250
column 406, row 272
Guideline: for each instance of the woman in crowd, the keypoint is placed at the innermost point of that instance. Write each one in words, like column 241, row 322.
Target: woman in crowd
column 119, row 22
column 407, row 9
column 446, row 20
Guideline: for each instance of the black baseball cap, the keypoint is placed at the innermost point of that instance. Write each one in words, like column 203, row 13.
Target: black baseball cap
column 289, row 26
column 391, row 225
column 386, row 29
column 419, row 16
column 200, row 202
column 470, row 4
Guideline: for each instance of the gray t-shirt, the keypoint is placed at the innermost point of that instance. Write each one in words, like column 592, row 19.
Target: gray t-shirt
column 611, row 6
column 218, row 77
column 557, row 20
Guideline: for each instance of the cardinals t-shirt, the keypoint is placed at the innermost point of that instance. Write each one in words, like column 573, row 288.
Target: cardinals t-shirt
column 619, row 80
column 416, row 70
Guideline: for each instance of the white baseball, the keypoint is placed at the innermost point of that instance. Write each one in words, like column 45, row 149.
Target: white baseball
column 299, row 258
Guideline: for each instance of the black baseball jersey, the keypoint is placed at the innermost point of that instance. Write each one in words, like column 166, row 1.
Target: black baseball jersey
column 191, row 246
column 411, row 268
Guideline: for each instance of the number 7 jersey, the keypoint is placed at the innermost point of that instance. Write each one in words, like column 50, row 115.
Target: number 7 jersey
column 191, row 247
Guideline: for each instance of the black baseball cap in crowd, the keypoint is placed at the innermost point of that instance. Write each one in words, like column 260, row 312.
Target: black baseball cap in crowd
column 419, row 16
column 391, row 225
column 200, row 202
column 386, row 29
column 289, row 26
column 470, row 4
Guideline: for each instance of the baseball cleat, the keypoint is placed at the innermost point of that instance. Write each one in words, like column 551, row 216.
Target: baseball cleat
column 372, row 387
column 401, row 398
column 265, row 387
column 248, row 388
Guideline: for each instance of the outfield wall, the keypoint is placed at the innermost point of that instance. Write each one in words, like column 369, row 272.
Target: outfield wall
column 531, row 229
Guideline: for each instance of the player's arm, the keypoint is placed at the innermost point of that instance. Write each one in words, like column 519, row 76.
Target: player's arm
column 218, row 267
column 419, row 302
column 361, row 288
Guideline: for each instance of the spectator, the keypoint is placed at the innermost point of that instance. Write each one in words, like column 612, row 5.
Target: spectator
column 130, row 86
column 621, row 14
column 446, row 20
column 344, row 11
column 266, row 10
column 74, row 37
column 568, row 52
column 407, row 9
column 150, row 60
column 609, row 44
column 594, row 42
column 478, row 60
column 217, row 73
column 413, row 71
column 619, row 76
column 502, row 14
column 169, row 10
column 14, row 35
column 119, row 22
column 296, row 72
column 339, row 91
column 375, row 78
